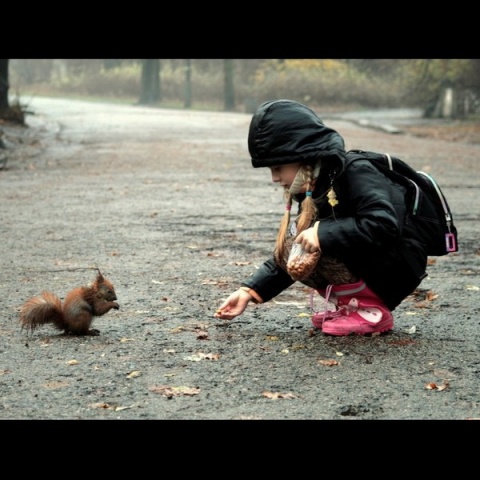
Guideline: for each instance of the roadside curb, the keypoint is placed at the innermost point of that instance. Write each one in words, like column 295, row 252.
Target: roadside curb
column 364, row 122
column 385, row 127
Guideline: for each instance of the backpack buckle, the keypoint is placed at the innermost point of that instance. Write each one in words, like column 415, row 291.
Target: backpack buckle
column 450, row 242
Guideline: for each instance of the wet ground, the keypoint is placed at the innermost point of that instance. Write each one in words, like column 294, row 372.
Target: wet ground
column 167, row 205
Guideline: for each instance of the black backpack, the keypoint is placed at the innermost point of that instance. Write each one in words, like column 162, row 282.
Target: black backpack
column 428, row 209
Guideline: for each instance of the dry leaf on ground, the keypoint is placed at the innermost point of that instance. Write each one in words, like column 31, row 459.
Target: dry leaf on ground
column 328, row 362
column 434, row 386
column 169, row 392
column 277, row 395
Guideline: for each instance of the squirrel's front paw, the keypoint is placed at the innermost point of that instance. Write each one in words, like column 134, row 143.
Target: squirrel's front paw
column 116, row 306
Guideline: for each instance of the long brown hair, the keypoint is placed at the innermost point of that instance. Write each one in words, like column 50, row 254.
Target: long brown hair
column 308, row 210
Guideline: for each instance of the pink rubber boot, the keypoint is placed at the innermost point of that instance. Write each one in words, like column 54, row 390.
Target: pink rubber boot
column 359, row 311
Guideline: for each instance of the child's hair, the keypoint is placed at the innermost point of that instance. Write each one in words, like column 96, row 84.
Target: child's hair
column 305, row 178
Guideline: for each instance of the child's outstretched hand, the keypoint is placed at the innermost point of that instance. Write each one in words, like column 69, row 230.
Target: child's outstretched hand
column 234, row 305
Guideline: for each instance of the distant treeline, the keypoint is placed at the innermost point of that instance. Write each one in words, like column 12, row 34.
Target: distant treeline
column 241, row 84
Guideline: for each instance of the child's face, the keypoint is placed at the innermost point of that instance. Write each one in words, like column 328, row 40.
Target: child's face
column 285, row 174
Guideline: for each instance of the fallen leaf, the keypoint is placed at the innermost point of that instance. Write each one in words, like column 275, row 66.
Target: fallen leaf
column 272, row 338
column 72, row 362
column 473, row 287
column 197, row 357
column 134, row 374
column 431, row 296
column 177, row 329
column 328, row 363
column 212, row 356
column 277, row 395
column 411, row 330
column 434, row 386
column 123, row 340
column 170, row 392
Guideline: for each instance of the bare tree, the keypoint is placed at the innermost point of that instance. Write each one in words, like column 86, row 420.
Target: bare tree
column 4, row 84
column 150, row 82
column 229, row 91
column 188, row 84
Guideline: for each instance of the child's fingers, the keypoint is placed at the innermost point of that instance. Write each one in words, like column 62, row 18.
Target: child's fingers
column 223, row 315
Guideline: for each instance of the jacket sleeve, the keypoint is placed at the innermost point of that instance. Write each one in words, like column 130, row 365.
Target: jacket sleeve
column 269, row 280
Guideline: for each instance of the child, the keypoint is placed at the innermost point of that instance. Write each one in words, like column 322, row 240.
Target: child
column 351, row 216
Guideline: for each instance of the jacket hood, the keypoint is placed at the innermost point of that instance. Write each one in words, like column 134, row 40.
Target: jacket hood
column 284, row 131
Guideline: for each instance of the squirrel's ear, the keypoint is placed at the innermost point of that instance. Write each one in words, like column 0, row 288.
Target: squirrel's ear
column 99, row 276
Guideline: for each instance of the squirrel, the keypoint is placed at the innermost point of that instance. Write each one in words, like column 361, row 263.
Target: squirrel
column 79, row 307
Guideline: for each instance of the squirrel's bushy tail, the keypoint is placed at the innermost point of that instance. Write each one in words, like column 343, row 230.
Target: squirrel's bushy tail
column 42, row 309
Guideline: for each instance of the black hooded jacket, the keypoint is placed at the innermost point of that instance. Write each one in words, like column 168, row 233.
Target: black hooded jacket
column 365, row 230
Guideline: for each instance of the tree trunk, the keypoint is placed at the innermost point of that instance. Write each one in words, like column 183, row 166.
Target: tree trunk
column 150, row 82
column 452, row 103
column 188, row 85
column 4, row 85
column 229, row 91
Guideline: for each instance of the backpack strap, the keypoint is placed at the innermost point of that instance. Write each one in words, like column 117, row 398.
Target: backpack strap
column 385, row 164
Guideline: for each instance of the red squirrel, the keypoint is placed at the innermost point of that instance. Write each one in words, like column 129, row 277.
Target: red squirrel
column 79, row 307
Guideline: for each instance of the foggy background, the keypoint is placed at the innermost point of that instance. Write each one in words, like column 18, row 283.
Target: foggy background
column 443, row 88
